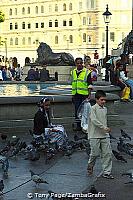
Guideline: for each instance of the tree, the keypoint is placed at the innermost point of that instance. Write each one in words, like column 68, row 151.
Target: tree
column 2, row 17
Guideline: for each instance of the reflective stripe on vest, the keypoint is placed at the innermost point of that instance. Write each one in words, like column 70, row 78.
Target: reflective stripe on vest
column 79, row 84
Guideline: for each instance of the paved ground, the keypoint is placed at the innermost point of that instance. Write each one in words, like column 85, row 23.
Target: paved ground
column 69, row 175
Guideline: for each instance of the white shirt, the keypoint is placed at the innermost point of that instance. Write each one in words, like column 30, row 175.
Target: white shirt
column 122, row 76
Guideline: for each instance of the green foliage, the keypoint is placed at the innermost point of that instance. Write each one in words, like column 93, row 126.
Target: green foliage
column 2, row 17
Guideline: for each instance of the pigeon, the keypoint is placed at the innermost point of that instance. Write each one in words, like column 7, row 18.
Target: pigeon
column 14, row 142
column 32, row 153
column 130, row 174
column 1, row 186
column 93, row 190
column 36, row 178
column 125, row 135
column 3, row 136
column 118, row 156
column 76, row 137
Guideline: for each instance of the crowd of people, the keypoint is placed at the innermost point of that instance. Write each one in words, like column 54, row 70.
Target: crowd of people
column 9, row 74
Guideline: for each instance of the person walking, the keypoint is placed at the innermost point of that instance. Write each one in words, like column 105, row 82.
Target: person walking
column 81, row 86
column 98, row 134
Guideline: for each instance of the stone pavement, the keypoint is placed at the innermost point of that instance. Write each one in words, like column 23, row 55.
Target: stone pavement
column 69, row 175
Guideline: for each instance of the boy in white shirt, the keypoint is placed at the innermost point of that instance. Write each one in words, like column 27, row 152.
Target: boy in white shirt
column 98, row 134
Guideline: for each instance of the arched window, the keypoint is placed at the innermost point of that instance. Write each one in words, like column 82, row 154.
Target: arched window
column 56, row 23
column 11, row 26
column 23, row 41
column 16, row 12
column 16, row 41
column 11, row 41
column 23, row 25
column 56, row 8
column 28, row 10
column 10, row 11
column 56, row 39
column 16, row 25
column 50, row 23
column 84, row 37
column 42, row 9
column 64, row 7
column 70, row 6
column 23, row 10
column 70, row 22
column 89, row 38
column 71, row 39
column 36, row 10
column 84, row 20
column 29, row 40
column 89, row 20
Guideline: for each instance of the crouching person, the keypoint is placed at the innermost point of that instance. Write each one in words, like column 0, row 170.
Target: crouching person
column 43, row 128
column 98, row 134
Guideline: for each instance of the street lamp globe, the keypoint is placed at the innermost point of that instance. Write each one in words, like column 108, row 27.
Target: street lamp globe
column 107, row 15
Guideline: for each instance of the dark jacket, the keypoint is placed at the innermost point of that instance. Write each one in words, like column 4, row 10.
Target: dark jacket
column 41, row 121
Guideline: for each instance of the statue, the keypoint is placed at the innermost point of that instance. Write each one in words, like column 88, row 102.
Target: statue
column 46, row 56
column 128, row 46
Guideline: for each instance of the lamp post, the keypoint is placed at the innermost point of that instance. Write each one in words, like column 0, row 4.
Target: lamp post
column 107, row 17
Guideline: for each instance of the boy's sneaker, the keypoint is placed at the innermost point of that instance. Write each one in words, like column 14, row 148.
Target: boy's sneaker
column 108, row 176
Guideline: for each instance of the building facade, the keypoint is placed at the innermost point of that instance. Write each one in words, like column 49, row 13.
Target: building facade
column 74, row 26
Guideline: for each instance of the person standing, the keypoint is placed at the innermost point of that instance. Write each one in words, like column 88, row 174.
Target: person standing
column 81, row 86
column 98, row 134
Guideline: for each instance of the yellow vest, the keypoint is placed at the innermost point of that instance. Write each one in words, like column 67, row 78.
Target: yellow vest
column 79, row 84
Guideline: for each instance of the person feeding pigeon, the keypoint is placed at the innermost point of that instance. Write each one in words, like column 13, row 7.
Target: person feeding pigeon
column 43, row 126
column 98, row 134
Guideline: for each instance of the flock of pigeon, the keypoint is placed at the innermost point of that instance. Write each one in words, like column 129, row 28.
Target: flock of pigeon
column 123, row 146
column 15, row 147
column 32, row 152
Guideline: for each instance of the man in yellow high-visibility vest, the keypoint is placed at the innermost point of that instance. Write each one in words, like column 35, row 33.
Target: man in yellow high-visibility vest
column 81, row 85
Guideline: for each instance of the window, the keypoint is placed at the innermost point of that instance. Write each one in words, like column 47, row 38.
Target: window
column 89, row 20
column 88, row 3
column 11, row 26
column 70, row 22
column 103, row 37
column 56, row 8
column 29, row 25
column 80, row 5
column 36, row 25
column 64, row 22
column 70, row 6
column 64, row 7
column 16, row 11
column 16, row 41
column 11, row 41
column 29, row 40
column 84, row 37
column 16, row 25
column 56, row 39
column 36, row 10
column 92, row 4
column 50, row 8
column 50, row 23
column 84, row 20
column 23, row 25
column 23, row 10
column 42, row 24
column 23, row 41
column 42, row 9
column 89, row 38
column 112, row 36
column 28, row 10
column 71, row 39
column 56, row 23
column 10, row 11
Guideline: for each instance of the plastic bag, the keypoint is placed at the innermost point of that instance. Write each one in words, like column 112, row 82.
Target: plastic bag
column 83, row 114
column 125, row 93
